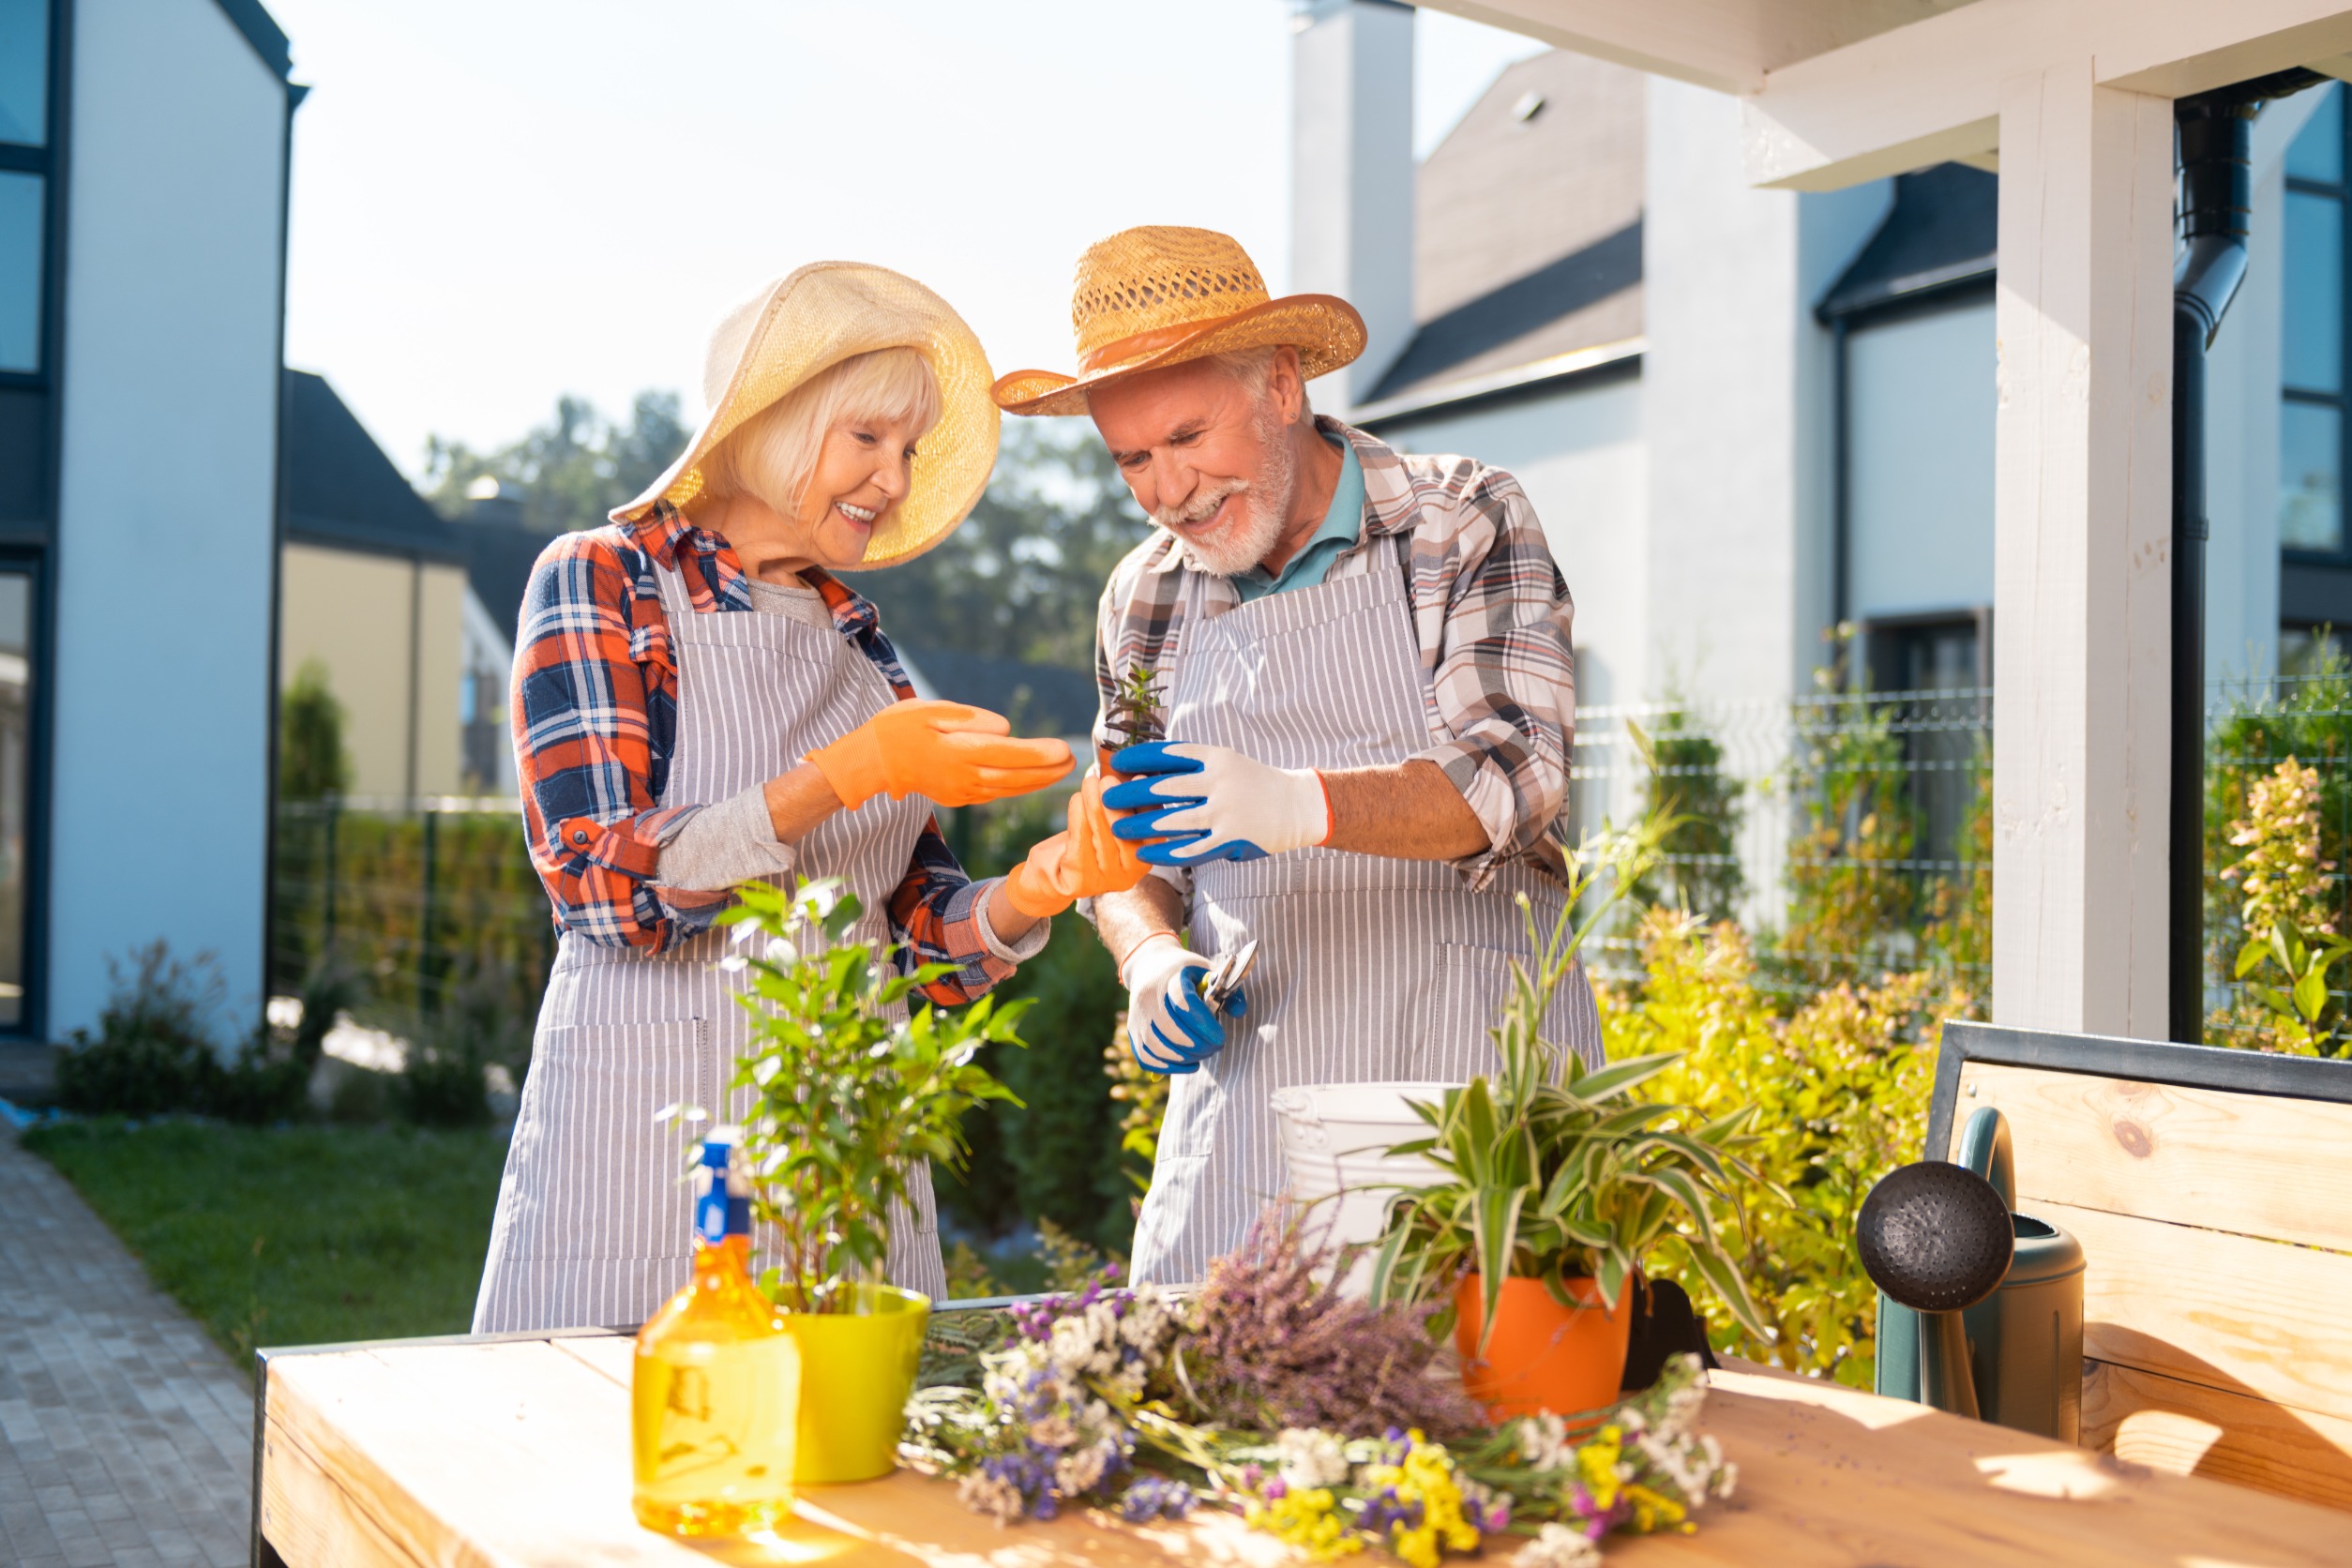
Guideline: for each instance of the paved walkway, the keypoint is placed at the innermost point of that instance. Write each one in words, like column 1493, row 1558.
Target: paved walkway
column 126, row 1436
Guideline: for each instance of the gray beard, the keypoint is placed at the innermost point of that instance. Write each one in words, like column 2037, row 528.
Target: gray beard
column 1266, row 505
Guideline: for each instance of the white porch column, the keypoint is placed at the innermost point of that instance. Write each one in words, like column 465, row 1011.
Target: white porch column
column 2082, row 563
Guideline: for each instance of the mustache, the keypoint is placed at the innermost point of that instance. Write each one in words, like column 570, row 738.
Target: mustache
column 1201, row 507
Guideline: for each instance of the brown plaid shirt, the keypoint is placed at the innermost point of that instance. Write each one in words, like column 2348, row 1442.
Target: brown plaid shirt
column 1490, row 612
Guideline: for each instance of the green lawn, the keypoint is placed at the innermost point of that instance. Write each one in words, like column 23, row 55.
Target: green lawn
column 294, row 1235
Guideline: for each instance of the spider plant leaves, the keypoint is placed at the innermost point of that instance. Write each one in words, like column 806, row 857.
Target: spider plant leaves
column 1547, row 1168
column 1617, row 1078
column 1716, row 1268
column 1495, row 1230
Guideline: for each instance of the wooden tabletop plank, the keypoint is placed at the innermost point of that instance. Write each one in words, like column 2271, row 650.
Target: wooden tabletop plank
column 1830, row 1477
column 516, row 1456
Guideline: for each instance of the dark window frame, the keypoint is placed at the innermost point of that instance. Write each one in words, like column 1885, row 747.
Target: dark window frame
column 46, row 162
column 2340, row 401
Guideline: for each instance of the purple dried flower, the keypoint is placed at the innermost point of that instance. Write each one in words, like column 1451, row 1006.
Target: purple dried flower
column 1251, row 1476
column 1496, row 1518
column 1385, row 1510
column 1277, row 1346
column 1277, row 1490
column 1154, row 1496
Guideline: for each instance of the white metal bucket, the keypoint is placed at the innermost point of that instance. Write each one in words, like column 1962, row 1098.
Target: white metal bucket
column 1335, row 1139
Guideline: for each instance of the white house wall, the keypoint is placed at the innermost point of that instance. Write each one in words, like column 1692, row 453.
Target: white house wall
column 162, row 678
column 1736, row 401
column 1578, row 455
column 1920, row 404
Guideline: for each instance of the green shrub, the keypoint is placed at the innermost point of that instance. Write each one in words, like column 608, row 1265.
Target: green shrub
column 312, row 762
column 153, row 1050
column 1698, row 867
column 1840, row 1091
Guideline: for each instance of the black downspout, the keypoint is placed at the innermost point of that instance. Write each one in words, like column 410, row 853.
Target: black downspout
column 2216, row 197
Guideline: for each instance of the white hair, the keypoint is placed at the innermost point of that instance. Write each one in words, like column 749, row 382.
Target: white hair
column 1254, row 370
column 771, row 455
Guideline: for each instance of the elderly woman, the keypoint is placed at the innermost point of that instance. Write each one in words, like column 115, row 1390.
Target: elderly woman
column 698, row 701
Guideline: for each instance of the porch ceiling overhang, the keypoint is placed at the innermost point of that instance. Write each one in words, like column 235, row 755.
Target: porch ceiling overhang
column 1840, row 91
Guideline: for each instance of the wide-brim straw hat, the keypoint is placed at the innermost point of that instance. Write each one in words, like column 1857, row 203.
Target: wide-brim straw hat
column 811, row 320
column 1148, row 298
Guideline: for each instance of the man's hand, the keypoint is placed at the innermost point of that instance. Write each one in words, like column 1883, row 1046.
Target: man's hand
column 1195, row 804
column 1170, row 1028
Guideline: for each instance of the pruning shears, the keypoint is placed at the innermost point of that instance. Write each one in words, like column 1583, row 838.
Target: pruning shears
column 1224, row 976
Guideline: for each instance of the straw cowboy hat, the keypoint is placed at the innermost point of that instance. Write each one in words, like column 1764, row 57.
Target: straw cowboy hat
column 1148, row 298
column 813, row 319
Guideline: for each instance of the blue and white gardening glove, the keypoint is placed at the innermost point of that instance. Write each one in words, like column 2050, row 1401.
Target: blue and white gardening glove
column 1170, row 1028
column 1204, row 803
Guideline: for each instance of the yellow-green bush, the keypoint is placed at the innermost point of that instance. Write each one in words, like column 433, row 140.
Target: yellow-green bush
column 1841, row 1091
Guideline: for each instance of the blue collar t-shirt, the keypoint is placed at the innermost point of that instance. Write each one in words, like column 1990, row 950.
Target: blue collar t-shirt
column 1342, row 526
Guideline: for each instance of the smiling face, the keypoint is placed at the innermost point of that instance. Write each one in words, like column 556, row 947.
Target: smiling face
column 1206, row 446
column 861, row 474
column 812, row 478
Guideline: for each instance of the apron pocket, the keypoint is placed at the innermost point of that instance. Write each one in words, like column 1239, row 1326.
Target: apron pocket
column 603, row 1179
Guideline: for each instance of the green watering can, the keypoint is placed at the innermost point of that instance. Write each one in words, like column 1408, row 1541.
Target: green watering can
column 2015, row 1356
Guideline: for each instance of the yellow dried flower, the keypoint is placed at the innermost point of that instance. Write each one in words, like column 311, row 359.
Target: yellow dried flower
column 1597, row 1466
column 1309, row 1520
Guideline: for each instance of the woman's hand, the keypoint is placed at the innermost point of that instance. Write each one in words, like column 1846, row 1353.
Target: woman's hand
column 1083, row 862
column 948, row 752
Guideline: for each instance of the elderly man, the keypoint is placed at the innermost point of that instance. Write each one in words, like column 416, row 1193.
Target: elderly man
column 1368, row 694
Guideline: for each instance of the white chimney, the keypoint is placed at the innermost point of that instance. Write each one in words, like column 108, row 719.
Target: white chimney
column 1352, row 176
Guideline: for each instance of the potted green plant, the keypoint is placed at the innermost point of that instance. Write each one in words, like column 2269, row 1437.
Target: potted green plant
column 1557, row 1186
column 850, row 1091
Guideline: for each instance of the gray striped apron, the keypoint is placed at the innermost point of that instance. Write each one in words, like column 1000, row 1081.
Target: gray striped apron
column 594, row 1223
column 1370, row 969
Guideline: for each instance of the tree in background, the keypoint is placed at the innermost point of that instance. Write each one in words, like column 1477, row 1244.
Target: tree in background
column 1021, row 578
column 570, row 471
column 312, row 762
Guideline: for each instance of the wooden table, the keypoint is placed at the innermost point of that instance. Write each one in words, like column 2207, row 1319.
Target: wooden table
column 514, row 1450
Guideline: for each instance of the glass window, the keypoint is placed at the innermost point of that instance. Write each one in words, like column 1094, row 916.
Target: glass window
column 24, row 72
column 2314, row 292
column 19, row 272
column 2317, row 151
column 16, row 646
column 2311, row 492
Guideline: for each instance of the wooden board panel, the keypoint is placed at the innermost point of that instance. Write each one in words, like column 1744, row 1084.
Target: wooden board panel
column 2252, row 1163
column 2261, row 1318
column 2182, row 1428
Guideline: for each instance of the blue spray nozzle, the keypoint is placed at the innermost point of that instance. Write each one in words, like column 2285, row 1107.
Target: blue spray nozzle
column 722, row 1205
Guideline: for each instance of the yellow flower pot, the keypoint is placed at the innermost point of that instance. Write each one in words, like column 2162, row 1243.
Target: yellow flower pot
column 857, row 1369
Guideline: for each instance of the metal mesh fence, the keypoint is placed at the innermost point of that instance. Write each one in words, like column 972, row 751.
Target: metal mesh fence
column 428, row 903
column 1850, row 835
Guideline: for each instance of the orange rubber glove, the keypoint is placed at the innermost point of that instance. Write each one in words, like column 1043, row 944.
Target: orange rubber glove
column 949, row 752
column 1083, row 862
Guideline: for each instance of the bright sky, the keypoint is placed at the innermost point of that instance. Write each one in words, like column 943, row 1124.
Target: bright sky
column 499, row 200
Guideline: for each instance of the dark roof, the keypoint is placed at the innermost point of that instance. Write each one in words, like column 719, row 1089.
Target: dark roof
column 261, row 31
column 499, row 554
column 1605, row 270
column 1039, row 699
column 1942, row 230
column 342, row 493
column 1527, row 237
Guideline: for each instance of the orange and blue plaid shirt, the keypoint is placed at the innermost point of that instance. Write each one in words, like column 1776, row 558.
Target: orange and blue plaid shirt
column 595, row 719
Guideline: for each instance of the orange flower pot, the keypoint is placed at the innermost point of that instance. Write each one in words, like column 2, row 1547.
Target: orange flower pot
column 1543, row 1356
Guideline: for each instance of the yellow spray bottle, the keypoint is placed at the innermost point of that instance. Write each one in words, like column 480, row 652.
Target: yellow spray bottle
column 716, row 1387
